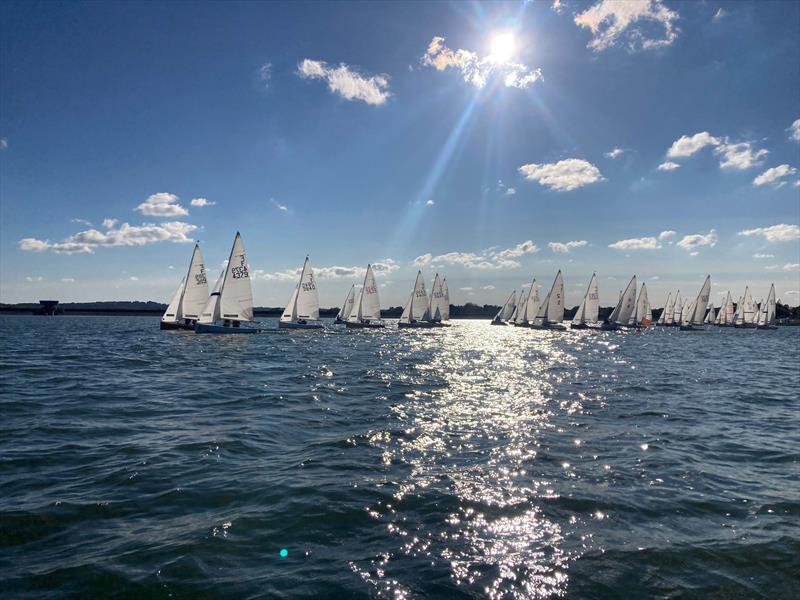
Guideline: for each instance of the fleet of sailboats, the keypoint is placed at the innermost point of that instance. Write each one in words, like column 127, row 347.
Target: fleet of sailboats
column 229, row 309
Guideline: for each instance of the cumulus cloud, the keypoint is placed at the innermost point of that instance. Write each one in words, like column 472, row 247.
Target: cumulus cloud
column 565, row 247
column 739, row 156
column 124, row 235
column 794, row 131
column 162, row 204
column 563, row 176
column 774, row 175
column 687, row 145
column 201, row 202
column 430, row 202
column 791, row 267
column 668, row 166
column 763, row 256
column 346, row 82
column 776, row 233
column 692, row 242
column 614, row 153
column 491, row 258
column 380, row 268
column 666, row 234
column 613, row 22
column 643, row 243
column 477, row 70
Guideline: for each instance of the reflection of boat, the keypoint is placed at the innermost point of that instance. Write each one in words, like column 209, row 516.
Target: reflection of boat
column 589, row 308
column 766, row 317
column 622, row 312
column 302, row 312
column 347, row 307
column 187, row 303
column 232, row 311
column 366, row 313
column 505, row 313
column 697, row 311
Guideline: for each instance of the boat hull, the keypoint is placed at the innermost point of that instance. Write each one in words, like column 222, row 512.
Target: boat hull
column 421, row 325
column 166, row 325
column 610, row 327
column 357, row 325
column 288, row 325
column 498, row 323
column 211, row 328
column 745, row 326
column 692, row 328
column 770, row 327
column 338, row 321
column 579, row 326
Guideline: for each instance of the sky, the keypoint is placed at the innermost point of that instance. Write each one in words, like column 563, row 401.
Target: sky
column 488, row 142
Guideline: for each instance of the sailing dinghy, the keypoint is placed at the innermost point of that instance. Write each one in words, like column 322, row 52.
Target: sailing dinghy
column 554, row 308
column 622, row 312
column 366, row 313
column 696, row 315
column 726, row 311
column 191, row 295
column 745, row 312
column 711, row 317
column 642, row 315
column 347, row 307
column 587, row 313
column 445, row 302
column 528, row 306
column 504, row 314
column 666, row 311
column 439, row 306
column 766, row 318
column 302, row 312
column 234, row 304
column 416, row 312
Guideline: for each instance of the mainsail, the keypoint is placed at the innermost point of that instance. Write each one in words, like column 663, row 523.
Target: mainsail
column 508, row 308
column 210, row 312
column 347, row 307
column 416, row 308
column 666, row 311
column 304, row 303
column 590, row 305
column 767, row 314
column 445, row 300
column 368, row 307
column 436, row 309
column 624, row 309
column 555, row 301
column 641, row 314
column 195, row 293
column 173, row 312
column 236, row 294
column 699, row 305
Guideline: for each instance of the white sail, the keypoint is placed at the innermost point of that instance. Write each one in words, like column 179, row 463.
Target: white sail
column 627, row 302
column 642, row 307
column 347, row 307
column 532, row 303
column 436, row 307
column 290, row 312
column 667, row 310
column 555, row 301
column 416, row 308
column 445, row 300
column 711, row 317
column 508, row 308
column 519, row 317
column 677, row 308
column 195, row 293
column 540, row 314
column 686, row 310
column 699, row 305
column 728, row 313
column 368, row 307
column 768, row 312
column 307, row 307
column 173, row 312
column 737, row 315
column 513, row 317
column 210, row 312
column 590, row 305
column 236, row 295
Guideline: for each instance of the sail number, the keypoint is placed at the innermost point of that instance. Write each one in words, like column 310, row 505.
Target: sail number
column 309, row 285
column 200, row 278
column 240, row 271
column 370, row 289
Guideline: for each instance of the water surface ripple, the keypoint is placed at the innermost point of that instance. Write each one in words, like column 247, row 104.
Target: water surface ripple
column 474, row 461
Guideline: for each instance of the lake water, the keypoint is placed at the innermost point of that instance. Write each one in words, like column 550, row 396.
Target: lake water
column 474, row 461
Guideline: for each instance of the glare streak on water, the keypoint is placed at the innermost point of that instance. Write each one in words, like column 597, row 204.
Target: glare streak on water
column 473, row 461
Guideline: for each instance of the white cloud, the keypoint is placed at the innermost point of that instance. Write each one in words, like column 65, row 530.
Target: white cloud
column 668, row 166
column 133, row 278
column 346, row 82
column 81, row 222
column 201, row 202
column 3, row 143
column 109, row 223
column 763, row 256
column 162, row 204
column 491, row 258
column 478, row 70
column 614, row 153
column 792, row 292
column 487, row 287
column 694, row 241
column 171, row 267
column 612, row 21
column 34, row 279
column 430, row 202
column 774, row 174
column 557, row 6
column 563, row 176
column 644, row 243
column 686, row 146
column 791, row 267
column 380, row 268
column 739, row 156
column 278, row 205
column 125, row 235
column 564, row 247
column 67, row 280
column 265, row 74
column 719, row 15
column 666, row 234
column 466, row 289
column 511, row 191
column 794, row 130
column 776, row 233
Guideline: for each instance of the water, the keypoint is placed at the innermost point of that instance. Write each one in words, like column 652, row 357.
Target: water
column 475, row 461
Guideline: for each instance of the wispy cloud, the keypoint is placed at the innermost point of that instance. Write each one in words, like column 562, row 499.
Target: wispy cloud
column 265, row 74
column 643, row 243
column 81, row 222
column 794, row 131
column 668, row 166
column 692, row 242
column 614, row 153
column 487, row 287
column 491, row 258
column 719, row 15
column 775, row 233
column 430, row 202
column 67, row 280
column 201, row 202
column 162, row 204
column 380, row 268
column 565, row 247
column 34, row 278
column 477, row 70
column 613, row 22
column 125, row 235
column 761, row 256
column 791, row 267
column 563, row 176
column 347, row 82
column 278, row 205
column 774, row 175
column 3, row 143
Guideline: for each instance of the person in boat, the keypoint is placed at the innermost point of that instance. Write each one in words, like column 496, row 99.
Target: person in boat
column 301, row 321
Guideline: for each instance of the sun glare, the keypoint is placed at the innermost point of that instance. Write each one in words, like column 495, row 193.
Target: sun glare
column 503, row 47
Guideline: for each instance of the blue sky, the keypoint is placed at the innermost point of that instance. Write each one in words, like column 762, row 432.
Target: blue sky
column 488, row 142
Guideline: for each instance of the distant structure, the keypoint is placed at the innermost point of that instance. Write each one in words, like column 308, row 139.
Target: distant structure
column 48, row 307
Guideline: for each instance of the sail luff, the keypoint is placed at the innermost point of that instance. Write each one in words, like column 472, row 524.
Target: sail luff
column 173, row 312
column 195, row 292
column 236, row 295
column 700, row 304
column 347, row 306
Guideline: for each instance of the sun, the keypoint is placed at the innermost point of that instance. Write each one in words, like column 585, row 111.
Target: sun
column 503, row 47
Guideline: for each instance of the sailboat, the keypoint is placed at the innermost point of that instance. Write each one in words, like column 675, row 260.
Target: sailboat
column 711, row 317
column 553, row 316
column 416, row 312
column 743, row 319
column 587, row 313
column 347, row 307
column 677, row 310
column 445, row 301
column 725, row 314
column 766, row 318
column 694, row 319
column 366, row 313
column 622, row 312
column 235, row 297
column 642, row 315
column 210, row 312
column 528, row 306
column 304, row 304
column 439, row 305
column 666, row 312
column 191, row 296
column 504, row 314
